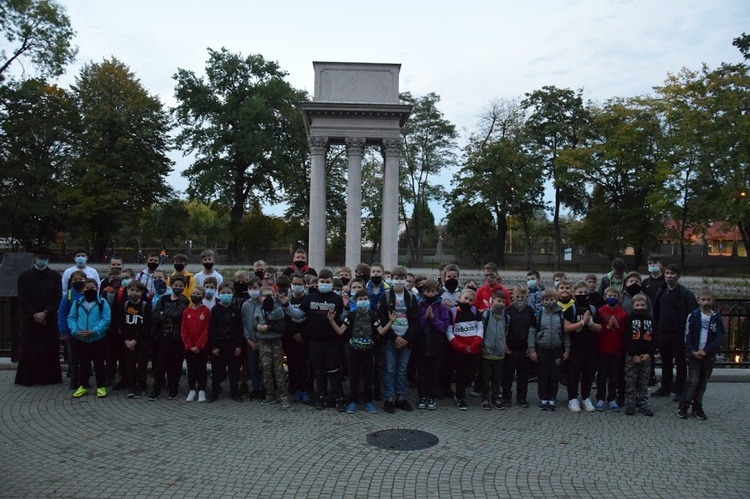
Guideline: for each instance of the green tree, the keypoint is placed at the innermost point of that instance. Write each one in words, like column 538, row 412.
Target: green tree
column 120, row 161
column 37, row 31
column 471, row 226
column 248, row 138
column 558, row 121
column 37, row 125
column 429, row 147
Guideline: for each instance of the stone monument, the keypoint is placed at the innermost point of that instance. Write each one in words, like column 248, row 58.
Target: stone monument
column 355, row 104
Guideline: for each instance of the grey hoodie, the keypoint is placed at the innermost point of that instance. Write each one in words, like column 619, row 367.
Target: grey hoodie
column 248, row 318
column 549, row 332
column 275, row 320
column 493, row 343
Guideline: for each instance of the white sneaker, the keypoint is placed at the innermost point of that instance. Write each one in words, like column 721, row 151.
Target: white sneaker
column 202, row 396
column 191, row 396
column 574, row 405
column 588, row 405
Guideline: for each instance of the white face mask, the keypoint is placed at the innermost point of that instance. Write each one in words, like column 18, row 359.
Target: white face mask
column 399, row 283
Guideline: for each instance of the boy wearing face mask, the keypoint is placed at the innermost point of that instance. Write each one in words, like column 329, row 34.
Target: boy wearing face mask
column 225, row 340
column 208, row 259
column 521, row 318
column 135, row 332
column 582, row 323
column 400, row 305
column 376, row 288
column 80, row 260
column 632, row 287
column 210, row 284
column 146, row 276
column 547, row 344
column 609, row 353
column 494, row 350
column 167, row 330
column 110, row 292
column 655, row 279
column 250, row 368
column 483, row 300
column 639, row 351
column 534, row 290
column 362, row 327
column 451, row 291
column 88, row 322
column 465, row 332
column 345, row 274
column 429, row 340
column 180, row 269
column 299, row 264
column 269, row 325
column 194, row 331
column 322, row 338
column 77, row 281
column 295, row 346
column 672, row 305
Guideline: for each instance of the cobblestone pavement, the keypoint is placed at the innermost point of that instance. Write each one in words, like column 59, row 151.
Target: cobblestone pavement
column 52, row 445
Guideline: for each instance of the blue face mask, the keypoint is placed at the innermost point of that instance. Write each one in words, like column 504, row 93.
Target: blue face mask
column 126, row 282
column 225, row 298
column 298, row 289
column 531, row 284
column 41, row 263
column 653, row 269
column 254, row 294
column 363, row 305
column 160, row 286
column 80, row 261
column 325, row 287
column 210, row 293
column 389, row 282
column 611, row 301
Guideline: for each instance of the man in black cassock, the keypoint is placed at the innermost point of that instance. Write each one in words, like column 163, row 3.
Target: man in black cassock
column 39, row 295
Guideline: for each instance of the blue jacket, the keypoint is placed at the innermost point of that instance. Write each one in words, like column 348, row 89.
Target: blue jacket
column 693, row 333
column 97, row 319
column 68, row 299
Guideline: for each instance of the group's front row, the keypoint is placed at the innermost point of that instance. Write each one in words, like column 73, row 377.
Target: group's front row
column 249, row 334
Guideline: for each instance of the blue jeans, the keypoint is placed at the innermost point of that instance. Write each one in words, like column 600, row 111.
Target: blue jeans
column 396, row 362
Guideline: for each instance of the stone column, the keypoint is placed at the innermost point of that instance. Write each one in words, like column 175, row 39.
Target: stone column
column 354, row 150
column 316, row 256
column 389, row 227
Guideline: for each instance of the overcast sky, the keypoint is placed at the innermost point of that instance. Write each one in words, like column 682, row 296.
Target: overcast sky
column 468, row 52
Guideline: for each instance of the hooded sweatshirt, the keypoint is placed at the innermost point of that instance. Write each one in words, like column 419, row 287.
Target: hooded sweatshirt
column 493, row 343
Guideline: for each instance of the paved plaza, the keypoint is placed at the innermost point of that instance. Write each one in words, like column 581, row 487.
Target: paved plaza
column 54, row 446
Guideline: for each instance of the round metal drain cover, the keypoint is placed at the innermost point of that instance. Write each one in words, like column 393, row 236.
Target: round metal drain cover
column 402, row 439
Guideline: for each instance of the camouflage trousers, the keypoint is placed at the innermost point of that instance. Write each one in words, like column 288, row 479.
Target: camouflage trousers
column 272, row 364
column 636, row 380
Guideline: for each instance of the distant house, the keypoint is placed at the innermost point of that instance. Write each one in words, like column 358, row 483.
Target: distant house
column 719, row 236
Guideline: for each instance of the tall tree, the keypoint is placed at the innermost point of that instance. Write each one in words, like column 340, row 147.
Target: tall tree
column 37, row 125
column 120, row 161
column 241, row 123
column 429, row 147
column 558, row 121
column 37, row 31
column 471, row 226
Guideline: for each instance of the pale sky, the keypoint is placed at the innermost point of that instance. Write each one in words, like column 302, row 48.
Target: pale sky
column 468, row 52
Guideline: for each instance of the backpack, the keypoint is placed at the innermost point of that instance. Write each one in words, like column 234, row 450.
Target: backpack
column 538, row 315
column 99, row 302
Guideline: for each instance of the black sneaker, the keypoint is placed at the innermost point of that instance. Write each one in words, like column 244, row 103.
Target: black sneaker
column 340, row 405
column 422, row 403
column 497, row 404
column 320, row 404
column 506, row 403
column 630, row 410
column 682, row 412
column 140, row 394
column 462, row 405
column 173, row 395
column 154, row 395
column 431, row 405
column 485, row 405
column 131, row 394
column 388, row 406
column 661, row 393
column 645, row 410
column 404, row 405
column 544, row 405
column 523, row 403
column 698, row 413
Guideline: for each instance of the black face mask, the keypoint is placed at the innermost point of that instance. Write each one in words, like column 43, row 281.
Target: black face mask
column 78, row 285
column 179, row 267
column 344, row 280
column 464, row 306
column 152, row 266
column 633, row 289
column 582, row 301
column 240, row 287
column 208, row 266
column 260, row 274
column 451, row 285
column 268, row 303
column 376, row 280
column 298, row 264
column 89, row 295
column 420, row 289
column 195, row 300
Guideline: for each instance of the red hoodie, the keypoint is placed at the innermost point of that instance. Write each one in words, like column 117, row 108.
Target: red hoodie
column 483, row 298
column 610, row 340
column 195, row 323
column 465, row 331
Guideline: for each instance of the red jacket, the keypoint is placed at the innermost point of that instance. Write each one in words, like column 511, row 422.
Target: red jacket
column 610, row 340
column 483, row 298
column 466, row 331
column 195, row 323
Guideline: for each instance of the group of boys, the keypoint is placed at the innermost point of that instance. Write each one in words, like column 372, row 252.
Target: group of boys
column 387, row 330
